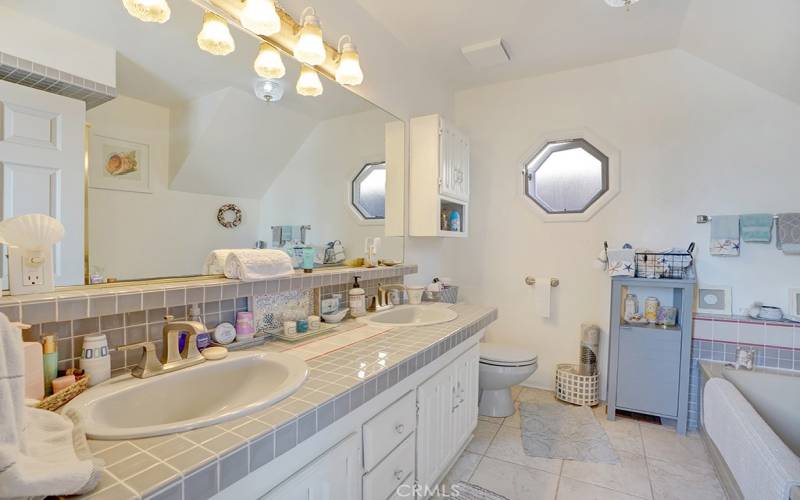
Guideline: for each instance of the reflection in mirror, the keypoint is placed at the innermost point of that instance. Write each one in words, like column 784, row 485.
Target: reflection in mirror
column 196, row 153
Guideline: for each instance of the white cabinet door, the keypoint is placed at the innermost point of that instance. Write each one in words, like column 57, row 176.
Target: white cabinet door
column 434, row 431
column 335, row 475
column 42, row 162
column 453, row 163
column 465, row 412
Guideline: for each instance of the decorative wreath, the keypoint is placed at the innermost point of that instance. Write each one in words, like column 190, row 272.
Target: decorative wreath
column 229, row 216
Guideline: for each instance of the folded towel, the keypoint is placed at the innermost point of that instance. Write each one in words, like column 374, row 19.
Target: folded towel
column 757, row 228
column 541, row 296
column 725, row 235
column 788, row 233
column 215, row 261
column 621, row 262
column 255, row 264
column 41, row 453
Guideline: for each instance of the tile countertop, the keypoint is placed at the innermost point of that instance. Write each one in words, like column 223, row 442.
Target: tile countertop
column 347, row 368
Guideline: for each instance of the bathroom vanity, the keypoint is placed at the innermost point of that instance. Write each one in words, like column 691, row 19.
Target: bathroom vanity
column 382, row 408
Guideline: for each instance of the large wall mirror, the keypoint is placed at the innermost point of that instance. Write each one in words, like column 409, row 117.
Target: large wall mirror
column 196, row 153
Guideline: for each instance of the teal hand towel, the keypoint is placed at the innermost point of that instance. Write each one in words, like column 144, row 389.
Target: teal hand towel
column 724, row 235
column 757, row 227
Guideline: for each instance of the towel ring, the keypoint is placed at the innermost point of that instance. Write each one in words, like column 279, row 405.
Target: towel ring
column 531, row 281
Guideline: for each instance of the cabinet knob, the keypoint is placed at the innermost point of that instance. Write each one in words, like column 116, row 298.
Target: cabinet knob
column 398, row 474
column 399, row 428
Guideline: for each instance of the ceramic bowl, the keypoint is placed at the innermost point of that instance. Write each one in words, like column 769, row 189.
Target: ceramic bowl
column 335, row 317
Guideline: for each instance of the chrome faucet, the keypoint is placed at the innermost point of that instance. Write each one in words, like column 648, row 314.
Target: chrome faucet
column 172, row 358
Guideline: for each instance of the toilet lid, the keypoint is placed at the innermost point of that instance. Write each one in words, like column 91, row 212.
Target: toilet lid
column 506, row 353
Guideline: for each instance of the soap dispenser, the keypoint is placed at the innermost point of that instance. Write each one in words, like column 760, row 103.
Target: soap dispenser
column 357, row 299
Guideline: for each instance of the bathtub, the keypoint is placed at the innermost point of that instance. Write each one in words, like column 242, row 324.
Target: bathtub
column 775, row 397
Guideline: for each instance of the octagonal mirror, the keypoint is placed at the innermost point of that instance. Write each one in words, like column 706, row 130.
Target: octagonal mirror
column 567, row 177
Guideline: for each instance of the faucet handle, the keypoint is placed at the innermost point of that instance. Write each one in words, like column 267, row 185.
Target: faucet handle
column 169, row 318
column 148, row 364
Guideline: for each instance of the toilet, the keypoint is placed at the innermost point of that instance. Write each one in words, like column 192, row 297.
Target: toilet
column 501, row 366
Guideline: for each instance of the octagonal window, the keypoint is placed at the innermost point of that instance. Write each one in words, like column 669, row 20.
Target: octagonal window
column 566, row 177
column 369, row 191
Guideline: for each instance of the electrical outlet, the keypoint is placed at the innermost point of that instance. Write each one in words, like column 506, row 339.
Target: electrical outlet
column 32, row 274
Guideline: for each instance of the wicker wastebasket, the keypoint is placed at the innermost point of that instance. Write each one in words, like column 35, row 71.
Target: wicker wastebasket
column 577, row 389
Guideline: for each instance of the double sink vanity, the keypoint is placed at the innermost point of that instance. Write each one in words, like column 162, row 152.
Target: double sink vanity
column 381, row 404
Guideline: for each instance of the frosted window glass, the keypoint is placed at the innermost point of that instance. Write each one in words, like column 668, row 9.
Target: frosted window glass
column 567, row 177
column 369, row 191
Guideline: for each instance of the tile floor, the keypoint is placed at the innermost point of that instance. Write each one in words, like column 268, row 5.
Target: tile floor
column 656, row 463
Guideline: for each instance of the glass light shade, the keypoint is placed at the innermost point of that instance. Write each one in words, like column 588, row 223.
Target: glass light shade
column 309, row 84
column 349, row 70
column 621, row 3
column 268, row 63
column 268, row 90
column 260, row 17
column 215, row 37
column 149, row 11
column 310, row 49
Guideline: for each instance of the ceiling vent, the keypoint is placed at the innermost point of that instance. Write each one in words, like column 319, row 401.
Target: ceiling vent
column 486, row 54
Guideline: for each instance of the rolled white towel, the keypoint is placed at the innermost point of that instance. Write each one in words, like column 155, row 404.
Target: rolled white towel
column 215, row 261
column 255, row 264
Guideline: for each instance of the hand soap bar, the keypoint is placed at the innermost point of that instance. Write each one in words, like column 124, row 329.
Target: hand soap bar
column 62, row 383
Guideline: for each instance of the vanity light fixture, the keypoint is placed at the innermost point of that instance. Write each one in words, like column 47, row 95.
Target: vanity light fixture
column 268, row 63
column 149, row 11
column 308, row 84
column 215, row 37
column 260, row 17
column 349, row 70
column 309, row 48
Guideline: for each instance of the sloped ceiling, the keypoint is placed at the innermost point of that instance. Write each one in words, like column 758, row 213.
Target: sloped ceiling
column 228, row 144
column 758, row 41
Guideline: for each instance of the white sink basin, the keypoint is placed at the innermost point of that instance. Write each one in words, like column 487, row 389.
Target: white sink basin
column 421, row 315
column 215, row 391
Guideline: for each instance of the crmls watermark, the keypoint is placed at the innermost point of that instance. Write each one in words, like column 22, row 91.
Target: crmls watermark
column 411, row 490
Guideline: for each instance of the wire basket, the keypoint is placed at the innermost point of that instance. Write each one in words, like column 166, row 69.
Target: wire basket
column 449, row 295
column 669, row 265
column 583, row 390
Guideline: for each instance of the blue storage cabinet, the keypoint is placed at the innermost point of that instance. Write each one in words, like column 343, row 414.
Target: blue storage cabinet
column 648, row 366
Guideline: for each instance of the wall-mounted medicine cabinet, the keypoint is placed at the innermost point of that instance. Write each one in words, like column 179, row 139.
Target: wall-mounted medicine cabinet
column 439, row 179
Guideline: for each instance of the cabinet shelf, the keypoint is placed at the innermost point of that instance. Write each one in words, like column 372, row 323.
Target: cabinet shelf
column 649, row 326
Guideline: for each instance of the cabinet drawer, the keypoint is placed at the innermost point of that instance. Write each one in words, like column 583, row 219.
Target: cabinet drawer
column 389, row 428
column 395, row 469
column 649, row 370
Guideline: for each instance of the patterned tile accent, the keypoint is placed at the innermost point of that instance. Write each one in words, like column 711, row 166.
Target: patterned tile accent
column 715, row 338
column 341, row 379
column 23, row 72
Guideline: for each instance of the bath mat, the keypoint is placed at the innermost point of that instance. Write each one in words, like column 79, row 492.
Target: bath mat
column 469, row 491
column 556, row 430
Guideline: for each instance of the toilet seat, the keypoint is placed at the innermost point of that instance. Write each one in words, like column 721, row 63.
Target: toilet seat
column 496, row 354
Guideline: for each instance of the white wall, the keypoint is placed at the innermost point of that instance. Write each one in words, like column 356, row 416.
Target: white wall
column 694, row 139
column 313, row 186
column 43, row 43
column 167, row 232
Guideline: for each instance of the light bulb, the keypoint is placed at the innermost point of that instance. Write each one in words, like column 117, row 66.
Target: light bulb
column 349, row 70
column 310, row 49
column 149, row 11
column 268, row 63
column 260, row 17
column 215, row 37
column 308, row 84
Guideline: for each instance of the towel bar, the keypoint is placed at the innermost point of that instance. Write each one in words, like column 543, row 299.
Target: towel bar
column 705, row 219
column 530, row 280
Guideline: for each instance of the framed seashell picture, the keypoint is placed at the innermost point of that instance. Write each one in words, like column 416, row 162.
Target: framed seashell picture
column 119, row 165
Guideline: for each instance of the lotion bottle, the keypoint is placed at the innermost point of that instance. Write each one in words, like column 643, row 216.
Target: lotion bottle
column 50, row 363
column 34, row 368
column 357, row 299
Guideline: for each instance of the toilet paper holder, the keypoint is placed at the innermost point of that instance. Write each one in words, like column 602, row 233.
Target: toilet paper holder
column 531, row 281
